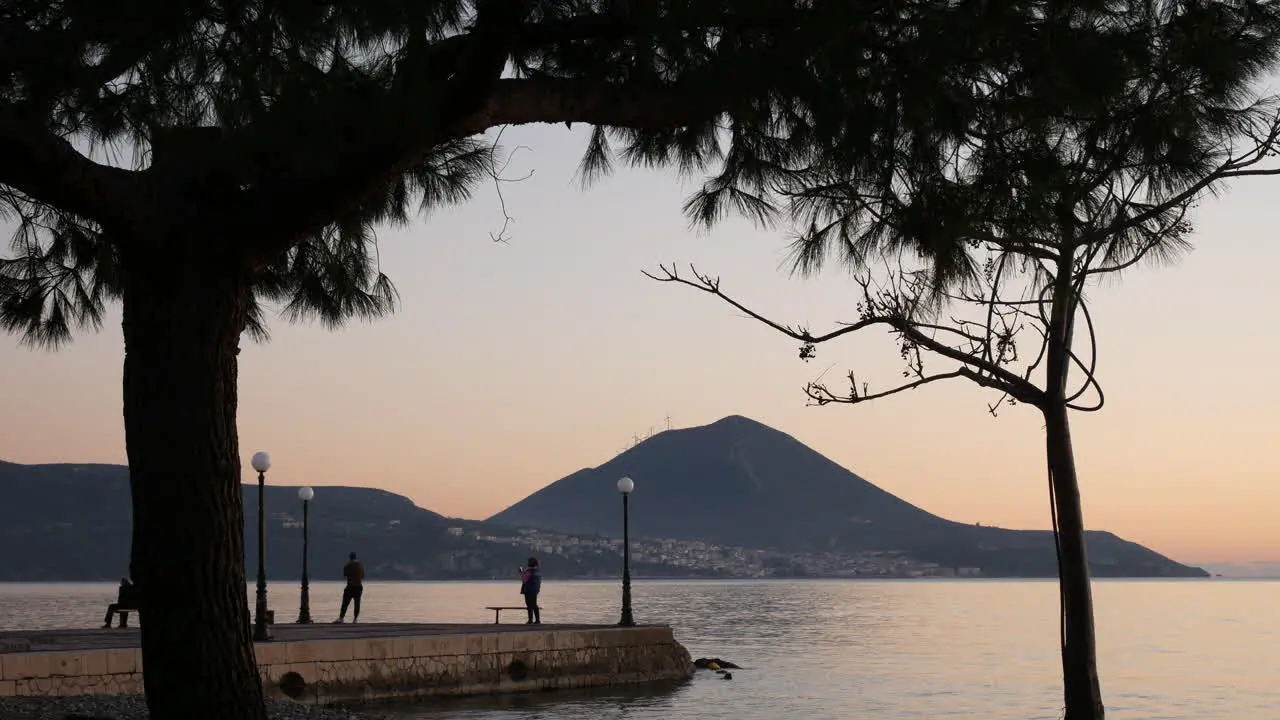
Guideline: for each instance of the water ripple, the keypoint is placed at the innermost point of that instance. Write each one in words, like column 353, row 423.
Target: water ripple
column 882, row 650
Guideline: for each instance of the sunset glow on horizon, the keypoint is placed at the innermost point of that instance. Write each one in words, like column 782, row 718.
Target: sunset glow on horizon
column 510, row 365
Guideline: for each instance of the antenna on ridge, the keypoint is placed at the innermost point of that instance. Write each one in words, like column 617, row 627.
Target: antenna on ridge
column 668, row 421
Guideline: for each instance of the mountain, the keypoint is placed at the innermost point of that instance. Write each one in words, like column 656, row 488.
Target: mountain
column 735, row 483
column 738, row 482
column 72, row 522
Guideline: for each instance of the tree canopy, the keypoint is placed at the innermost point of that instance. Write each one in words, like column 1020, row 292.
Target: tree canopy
column 293, row 129
column 1094, row 172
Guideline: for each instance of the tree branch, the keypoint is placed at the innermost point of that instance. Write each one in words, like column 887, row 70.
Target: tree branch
column 593, row 102
column 451, row 89
column 986, row 373
column 48, row 169
column 821, row 395
column 292, row 208
column 710, row 285
column 373, row 135
column 623, row 25
column 52, row 55
column 1266, row 145
column 441, row 91
column 496, row 173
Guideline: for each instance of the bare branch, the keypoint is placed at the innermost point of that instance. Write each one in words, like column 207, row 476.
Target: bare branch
column 711, row 285
column 496, row 173
column 987, row 374
column 1245, row 164
column 892, row 312
column 1156, row 238
column 820, row 394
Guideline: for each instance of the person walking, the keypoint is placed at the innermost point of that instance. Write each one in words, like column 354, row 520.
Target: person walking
column 530, row 586
column 353, row 571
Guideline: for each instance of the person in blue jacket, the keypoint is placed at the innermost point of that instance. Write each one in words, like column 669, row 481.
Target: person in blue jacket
column 530, row 586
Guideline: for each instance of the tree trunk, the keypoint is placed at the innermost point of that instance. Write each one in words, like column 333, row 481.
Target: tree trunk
column 1081, row 689
column 184, row 311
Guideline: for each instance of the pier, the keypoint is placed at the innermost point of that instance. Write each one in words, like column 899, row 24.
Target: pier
column 363, row 663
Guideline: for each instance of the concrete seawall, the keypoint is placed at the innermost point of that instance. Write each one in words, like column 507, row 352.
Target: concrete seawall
column 368, row 663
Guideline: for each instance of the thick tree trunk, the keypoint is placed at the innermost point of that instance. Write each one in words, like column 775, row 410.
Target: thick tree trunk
column 1081, row 689
column 183, row 315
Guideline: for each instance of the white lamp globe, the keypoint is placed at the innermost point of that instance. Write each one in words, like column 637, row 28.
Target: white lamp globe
column 261, row 462
column 305, row 494
column 626, row 485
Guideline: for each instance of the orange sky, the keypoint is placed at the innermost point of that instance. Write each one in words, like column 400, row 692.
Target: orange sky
column 511, row 365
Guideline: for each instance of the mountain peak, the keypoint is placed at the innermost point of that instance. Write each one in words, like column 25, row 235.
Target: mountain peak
column 737, row 420
column 737, row 482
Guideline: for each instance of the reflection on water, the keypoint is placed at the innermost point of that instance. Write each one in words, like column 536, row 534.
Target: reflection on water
column 624, row 702
column 887, row 650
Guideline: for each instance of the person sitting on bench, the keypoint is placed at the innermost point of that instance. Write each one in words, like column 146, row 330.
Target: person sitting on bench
column 126, row 600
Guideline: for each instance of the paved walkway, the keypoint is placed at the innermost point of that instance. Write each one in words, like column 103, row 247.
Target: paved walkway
column 100, row 639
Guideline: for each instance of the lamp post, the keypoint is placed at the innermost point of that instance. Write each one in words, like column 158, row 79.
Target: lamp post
column 261, row 462
column 304, row 609
column 625, row 486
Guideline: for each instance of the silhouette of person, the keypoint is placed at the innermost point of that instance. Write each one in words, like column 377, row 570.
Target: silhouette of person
column 353, row 571
column 127, row 597
column 530, row 586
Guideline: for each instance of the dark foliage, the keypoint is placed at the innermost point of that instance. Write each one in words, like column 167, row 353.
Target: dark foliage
column 332, row 118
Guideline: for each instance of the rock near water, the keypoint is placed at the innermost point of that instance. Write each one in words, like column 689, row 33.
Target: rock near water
column 705, row 663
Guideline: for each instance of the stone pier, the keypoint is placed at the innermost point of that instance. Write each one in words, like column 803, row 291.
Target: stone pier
column 364, row 663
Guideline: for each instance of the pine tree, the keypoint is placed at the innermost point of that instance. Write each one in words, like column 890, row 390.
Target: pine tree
column 1076, row 156
column 201, row 161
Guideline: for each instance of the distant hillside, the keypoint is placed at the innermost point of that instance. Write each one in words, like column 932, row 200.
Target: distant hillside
column 739, row 482
column 72, row 522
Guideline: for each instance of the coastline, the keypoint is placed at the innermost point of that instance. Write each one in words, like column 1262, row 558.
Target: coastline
column 699, row 578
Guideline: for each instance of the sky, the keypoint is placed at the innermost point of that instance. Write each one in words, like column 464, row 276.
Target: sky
column 512, row 364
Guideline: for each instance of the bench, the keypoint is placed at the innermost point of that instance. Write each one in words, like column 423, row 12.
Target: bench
column 497, row 610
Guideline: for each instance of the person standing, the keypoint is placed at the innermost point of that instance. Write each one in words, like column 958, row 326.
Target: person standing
column 530, row 586
column 353, row 571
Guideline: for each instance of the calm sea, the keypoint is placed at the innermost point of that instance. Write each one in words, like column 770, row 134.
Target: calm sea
column 883, row 650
